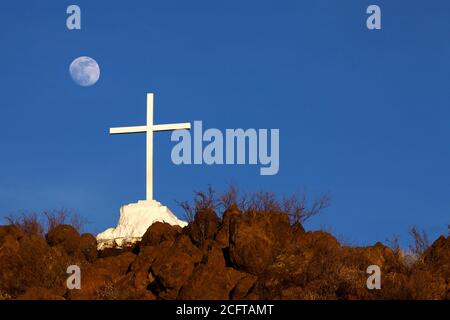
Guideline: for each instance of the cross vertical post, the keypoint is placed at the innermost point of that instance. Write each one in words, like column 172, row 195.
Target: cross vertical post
column 149, row 179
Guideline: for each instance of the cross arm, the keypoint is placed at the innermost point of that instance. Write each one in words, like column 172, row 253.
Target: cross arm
column 157, row 127
column 170, row 127
column 124, row 130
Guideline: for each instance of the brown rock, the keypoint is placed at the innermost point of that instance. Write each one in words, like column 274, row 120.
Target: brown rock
column 394, row 287
column 88, row 247
column 214, row 259
column 243, row 287
column 293, row 293
column 314, row 240
column 234, row 276
column 123, row 289
column 204, row 227
column 173, row 269
column 116, row 251
column 256, row 239
column 223, row 235
column 10, row 231
column 184, row 244
column 39, row 293
column 9, row 244
column 205, row 284
column 65, row 236
column 116, row 265
column 96, row 283
column 31, row 263
column 208, row 281
column 313, row 256
column 425, row 285
column 159, row 232
column 437, row 257
column 171, row 273
column 297, row 229
column 141, row 266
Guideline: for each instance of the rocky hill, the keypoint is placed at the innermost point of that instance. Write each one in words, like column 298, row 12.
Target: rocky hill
column 252, row 255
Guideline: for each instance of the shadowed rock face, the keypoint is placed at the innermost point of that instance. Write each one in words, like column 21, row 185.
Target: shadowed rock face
column 252, row 255
column 256, row 239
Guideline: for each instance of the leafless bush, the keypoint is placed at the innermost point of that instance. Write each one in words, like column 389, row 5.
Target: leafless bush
column 206, row 199
column 264, row 201
column 39, row 224
column 78, row 221
column 296, row 207
column 394, row 243
column 421, row 241
column 55, row 218
column 189, row 212
column 230, row 197
column 233, row 196
column 202, row 200
column 27, row 222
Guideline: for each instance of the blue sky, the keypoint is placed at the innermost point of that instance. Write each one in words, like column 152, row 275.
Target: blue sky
column 362, row 114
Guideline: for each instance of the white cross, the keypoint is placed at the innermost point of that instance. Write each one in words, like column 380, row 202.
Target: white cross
column 149, row 129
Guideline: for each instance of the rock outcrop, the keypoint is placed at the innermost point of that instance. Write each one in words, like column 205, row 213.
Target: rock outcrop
column 251, row 255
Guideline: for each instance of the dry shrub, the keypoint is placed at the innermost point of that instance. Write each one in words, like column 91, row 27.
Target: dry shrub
column 394, row 243
column 296, row 206
column 202, row 200
column 30, row 223
column 33, row 223
column 421, row 241
column 63, row 216
column 34, row 263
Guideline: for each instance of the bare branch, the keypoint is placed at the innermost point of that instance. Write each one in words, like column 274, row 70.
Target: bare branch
column 421, row 241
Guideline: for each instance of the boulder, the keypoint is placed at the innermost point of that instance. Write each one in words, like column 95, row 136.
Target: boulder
column 159, row 232
column 257, row 238
column 223, row 235
column 117, row 265
column 204, row 227
column 425, row 285
column 88, row 247
column 205, row 284
column 30, row 262
column 124, row 289
column 243, row 287
column 65, row 236
column 172, row 270
column 96, row 283
column 437, row 257
column 143, row 278
column 10, row 231
column 209, row 280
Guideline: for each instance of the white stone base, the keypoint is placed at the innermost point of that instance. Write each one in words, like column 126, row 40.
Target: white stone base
column 134, row 221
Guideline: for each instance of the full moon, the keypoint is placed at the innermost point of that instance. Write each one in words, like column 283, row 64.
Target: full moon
column 84, row 71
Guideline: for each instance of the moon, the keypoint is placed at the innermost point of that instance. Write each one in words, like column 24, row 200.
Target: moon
column 85, row 71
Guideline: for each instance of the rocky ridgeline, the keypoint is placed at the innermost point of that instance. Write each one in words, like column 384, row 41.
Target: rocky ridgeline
column 256, row 255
